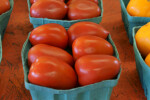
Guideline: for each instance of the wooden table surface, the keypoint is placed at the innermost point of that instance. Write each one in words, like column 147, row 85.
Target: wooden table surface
column 11, row 70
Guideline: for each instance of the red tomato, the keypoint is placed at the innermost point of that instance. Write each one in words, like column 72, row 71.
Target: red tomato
column 83, row 10
column 87, row 45
column 51, row 34
column 47, row 50
column 52, row 72
column 72, row 1
column 52, row 9
column 86, row 28
column 4, row 6
column 33, row 1
column 96, row 68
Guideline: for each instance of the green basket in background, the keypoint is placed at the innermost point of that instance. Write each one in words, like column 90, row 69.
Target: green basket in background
column 142, row 67
column 130, row 21
column 98, row 91
column 66, row 23
column 4, row 18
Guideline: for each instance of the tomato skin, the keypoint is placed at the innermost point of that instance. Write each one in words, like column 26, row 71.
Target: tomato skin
column 72, row 1
column 83, row 10
column 52, row 72
column 47, row 50
column 88, row 45
column 4, row 6
column 51, row 34
column 86, row 28
column 96, row 68
column 33, row 1
column 52, row 9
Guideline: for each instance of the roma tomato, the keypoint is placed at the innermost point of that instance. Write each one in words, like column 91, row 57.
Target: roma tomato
column 83, row 10
column 4, row 6
column 87, row 45
column 52, row 72
column 86, row 28
column 72, row 1
column 147, row 60
column 52, row 9
column 96, row 68
column 33, row 1
column 47, row 50
column 51, row 34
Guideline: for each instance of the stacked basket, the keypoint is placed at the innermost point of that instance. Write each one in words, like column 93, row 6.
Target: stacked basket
column 132, row 25
column 66, row 23
column 98, row 91
column 142, row 68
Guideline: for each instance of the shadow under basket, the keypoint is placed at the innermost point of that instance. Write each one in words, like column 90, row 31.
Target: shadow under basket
column 130, row 21
column 65, row 23
column 4, row 19
column 142, row 68
column 98, row 91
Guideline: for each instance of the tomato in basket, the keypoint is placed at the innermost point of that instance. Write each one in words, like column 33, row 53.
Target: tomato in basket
column 86, row 28
column 51, row 34
column 96, row 68
column 51, row 9
column 87, row 45
column 47, row 50
column 52, row 72
column 83, row 10
column 4, row 6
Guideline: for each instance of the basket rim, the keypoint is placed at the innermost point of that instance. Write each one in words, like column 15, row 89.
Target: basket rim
column 136, row 48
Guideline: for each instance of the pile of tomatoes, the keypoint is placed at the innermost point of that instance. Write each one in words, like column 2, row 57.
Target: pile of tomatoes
column 142, row 38
column 4, row 6
column 65, row 59
column 72, row 10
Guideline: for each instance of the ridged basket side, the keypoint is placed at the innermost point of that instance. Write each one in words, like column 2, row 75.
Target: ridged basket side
column 142, row 68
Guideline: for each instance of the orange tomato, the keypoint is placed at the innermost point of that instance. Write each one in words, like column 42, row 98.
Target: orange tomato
column 142, row 38
column 147, row 60
column 139, row 8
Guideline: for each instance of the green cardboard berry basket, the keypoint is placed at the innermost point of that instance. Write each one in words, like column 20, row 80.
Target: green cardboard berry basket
column 130, row 21
column 97, row 91
column 142, row 67
column 66, row 23
column 4, row 18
